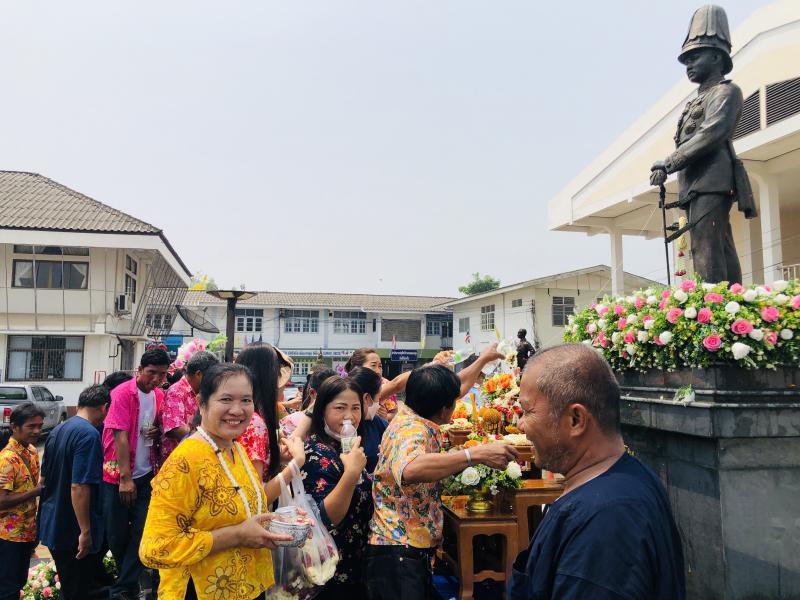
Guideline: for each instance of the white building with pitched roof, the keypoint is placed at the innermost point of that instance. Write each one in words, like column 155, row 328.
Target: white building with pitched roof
column 307, row 325
column 81, row 285
column 612, row 196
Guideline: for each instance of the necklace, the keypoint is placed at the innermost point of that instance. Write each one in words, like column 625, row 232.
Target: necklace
column 233, row 481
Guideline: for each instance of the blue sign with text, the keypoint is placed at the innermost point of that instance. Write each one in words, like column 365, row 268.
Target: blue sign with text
column 404, row 355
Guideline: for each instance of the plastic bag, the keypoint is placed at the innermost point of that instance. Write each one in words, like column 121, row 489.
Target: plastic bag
column 301, row 572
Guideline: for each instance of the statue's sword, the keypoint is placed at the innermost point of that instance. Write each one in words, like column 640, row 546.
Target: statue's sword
column 671, row 232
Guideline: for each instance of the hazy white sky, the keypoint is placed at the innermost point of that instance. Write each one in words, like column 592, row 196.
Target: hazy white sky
column 351, row 146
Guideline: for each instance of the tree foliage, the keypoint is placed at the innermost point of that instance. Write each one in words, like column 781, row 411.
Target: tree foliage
column 479, row 284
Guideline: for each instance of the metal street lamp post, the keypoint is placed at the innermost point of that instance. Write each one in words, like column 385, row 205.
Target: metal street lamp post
column 231, row 297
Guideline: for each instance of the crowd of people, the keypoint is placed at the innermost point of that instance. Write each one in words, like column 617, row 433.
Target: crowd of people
column 183, row 481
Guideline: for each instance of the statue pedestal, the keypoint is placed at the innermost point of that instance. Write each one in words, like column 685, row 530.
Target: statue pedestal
column 731, row 464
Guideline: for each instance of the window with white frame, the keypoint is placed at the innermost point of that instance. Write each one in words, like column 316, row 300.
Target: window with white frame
column 563, row 307
column 487, row 317
column 131, row 271
column 249, row 320
column 516, row 303
column 463, row 325
column 51, row 271
column 433, row 328
column 349, row 322
column 44, row 358
column 301, row 321
column 302, row 367
column 158, row 321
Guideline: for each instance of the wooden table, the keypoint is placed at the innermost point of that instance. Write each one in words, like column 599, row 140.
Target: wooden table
column 468, row 525
column 534, row 492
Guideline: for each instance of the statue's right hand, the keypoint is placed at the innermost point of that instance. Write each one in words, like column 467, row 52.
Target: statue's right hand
column 658, row 177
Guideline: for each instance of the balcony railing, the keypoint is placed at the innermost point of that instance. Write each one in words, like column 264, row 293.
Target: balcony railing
column 447, row 343
column 791, row 271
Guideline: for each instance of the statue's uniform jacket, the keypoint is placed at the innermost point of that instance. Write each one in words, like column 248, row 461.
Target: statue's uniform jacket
column 703, row 155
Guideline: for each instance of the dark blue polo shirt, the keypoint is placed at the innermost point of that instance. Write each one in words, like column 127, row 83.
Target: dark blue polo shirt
column 613, row 538
column 73, row 453
column 373, row 433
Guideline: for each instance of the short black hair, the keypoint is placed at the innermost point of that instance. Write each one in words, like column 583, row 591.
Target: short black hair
column 94, row 396
column 156, row 358
column 116, row 378
column 216, row 375
column 201, row 361
column 330, row 388
column 24, row 412
column 313, row 382
column 431, row 388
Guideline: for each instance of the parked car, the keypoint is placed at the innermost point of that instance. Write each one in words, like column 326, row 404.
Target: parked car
column 12, row 395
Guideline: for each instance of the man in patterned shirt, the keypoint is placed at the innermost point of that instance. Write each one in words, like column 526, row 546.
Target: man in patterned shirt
column 19, row 487
column 180, row 403
column 407, row 523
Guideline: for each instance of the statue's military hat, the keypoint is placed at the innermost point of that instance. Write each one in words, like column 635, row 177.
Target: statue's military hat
column 709, row 29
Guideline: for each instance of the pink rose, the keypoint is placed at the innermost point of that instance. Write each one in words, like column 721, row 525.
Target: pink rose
column 47, row 592
column 741, row 327
column 688, row 285
column 770, row 314
column 621, row 324
column 602, row 310
column 766, row 287
column 712, row 342
column 673, row 314
column 657, row 341
column 639, row 303
column 665, row 294
column 601, row 337
column 704, row 315
column 648, row 318
column 630, row 338
column 712, row 297
column 663, row 304
column 771, row 337
column 618, row 309
column 796, row 302
column 736, row 288
column 593, row 305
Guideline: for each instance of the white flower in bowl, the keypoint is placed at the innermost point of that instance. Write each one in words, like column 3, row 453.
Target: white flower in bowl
column 513, row 470
column 470, row 476
column 740, row 350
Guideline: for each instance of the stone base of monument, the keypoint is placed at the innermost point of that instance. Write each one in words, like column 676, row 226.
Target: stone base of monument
column 730, row 461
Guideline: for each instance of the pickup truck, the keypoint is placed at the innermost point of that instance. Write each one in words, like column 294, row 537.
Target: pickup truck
column 12, row 395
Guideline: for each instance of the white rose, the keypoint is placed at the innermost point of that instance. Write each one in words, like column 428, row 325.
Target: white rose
column 601, row 323
column 750, row 295
column 649, row 323
column 574, row 329
column 651, row 300
column 756, row 334
column 513, row 470
column 732, row 307
column 632, row 319
column 630, row 349
column 592, row 327
column 642, row 336
column 615, row 337
column 470, row 476
column 587, row 342
column 690, row 313
column 570, row 320
column 780, row 285
column 787, row 334
column 665, row 337
column 740, row 350
column 762, row 291
column 781, row 299
column 629, row 299
column 680, row 296
column 708, row 286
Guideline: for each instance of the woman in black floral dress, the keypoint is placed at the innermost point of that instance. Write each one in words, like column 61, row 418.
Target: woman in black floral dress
column 339, row 483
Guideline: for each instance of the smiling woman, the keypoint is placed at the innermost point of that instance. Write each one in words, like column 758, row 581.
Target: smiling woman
column 206, row 527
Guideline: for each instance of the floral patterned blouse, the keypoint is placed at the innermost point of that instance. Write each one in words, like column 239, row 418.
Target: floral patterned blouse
column 390, row 403
column 19, row 472
column 255, row 442
column 192, row 496
column 406, row 514
column 177, row 410
column 321, row 473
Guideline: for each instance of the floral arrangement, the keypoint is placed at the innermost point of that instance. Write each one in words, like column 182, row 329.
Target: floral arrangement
column 483, row 478
column 42, row 583
column 695, row 324
column 499, row 386
column 186, row 351
column 217, row 345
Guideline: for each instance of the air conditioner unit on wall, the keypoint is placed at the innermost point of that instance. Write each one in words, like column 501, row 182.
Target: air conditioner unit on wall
column 123, row 304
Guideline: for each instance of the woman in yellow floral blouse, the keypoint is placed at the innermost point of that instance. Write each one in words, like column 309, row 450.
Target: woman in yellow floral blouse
column 206, row 526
